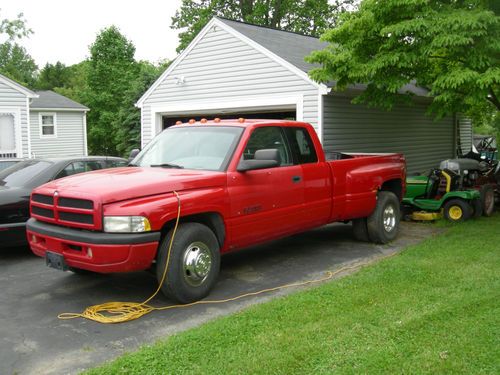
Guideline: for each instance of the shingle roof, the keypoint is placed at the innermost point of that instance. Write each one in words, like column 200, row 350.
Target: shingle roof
column 51, row 100
column 293, row 48
column 290, row 46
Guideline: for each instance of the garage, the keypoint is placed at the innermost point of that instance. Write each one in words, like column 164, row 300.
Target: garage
column 234, row 69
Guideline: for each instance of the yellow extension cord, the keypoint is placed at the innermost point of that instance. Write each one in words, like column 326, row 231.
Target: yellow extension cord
column 119, row 312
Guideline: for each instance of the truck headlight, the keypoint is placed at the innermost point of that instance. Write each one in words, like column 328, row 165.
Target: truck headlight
column 126, row 224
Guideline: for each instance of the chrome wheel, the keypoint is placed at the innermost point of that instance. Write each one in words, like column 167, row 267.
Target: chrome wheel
column 197, row 263
column 389, row 218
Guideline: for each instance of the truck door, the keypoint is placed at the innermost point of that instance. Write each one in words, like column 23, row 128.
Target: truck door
column 265, row 203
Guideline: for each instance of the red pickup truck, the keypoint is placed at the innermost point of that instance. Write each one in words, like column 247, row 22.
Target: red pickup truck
column 240, row 183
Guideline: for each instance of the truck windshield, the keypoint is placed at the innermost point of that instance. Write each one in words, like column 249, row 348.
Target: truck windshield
column 196, row 147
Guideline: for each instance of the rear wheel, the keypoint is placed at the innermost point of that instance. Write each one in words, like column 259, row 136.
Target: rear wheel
column 383, row 223
column 488, row 199
column 477, row 208
column 194, row 263
column 457, row 210
column 360, row 229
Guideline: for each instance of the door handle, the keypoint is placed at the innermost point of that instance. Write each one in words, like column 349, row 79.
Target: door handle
column 296, row 179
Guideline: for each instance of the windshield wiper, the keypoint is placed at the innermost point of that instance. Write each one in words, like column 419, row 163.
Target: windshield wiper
column 167, row 165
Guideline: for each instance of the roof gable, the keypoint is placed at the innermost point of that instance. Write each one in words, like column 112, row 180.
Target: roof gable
column 228, row 28
column 18, row 87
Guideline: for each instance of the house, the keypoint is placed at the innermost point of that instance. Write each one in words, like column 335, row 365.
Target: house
column 39, row 124
column 233, row 69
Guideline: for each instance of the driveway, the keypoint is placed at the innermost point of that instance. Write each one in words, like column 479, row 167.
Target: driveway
column 34, row 341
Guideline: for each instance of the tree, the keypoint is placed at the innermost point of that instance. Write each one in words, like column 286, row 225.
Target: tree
column 449, row 46
column 128, row 119
column 15, row 62
column 110, row 70
column 52, row 76
column 309, row 17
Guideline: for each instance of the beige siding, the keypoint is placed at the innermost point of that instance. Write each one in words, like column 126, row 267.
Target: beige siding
column 13, row 99
column 221, row 67
column 407, row 130
column 70, row 137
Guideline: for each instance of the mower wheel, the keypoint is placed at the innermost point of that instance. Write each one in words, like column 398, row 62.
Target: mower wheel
column 487, row 199
column 383, row 223
column 457, row 210
column 477, row 208
column 360, row 229
column 194, row 263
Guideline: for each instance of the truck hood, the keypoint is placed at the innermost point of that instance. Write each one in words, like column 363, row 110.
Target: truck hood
column 118, row 184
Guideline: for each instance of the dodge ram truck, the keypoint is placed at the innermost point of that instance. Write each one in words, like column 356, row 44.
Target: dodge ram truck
column 240, row 183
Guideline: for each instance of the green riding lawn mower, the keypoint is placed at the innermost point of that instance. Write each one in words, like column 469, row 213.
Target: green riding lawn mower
column 460, row 189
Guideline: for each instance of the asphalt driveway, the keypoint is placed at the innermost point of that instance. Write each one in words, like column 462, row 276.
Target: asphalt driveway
column 34, row 341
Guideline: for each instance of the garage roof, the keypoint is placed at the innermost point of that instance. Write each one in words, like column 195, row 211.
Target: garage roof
column 293, row 48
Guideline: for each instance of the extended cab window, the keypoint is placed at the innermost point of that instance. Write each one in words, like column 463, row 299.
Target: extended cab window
column 266, row 138
column 302, row 145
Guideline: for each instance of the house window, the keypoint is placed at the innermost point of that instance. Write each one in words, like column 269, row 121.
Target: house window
column 48, row 125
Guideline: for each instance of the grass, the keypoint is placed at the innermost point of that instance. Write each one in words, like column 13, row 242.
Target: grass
column 432, row 309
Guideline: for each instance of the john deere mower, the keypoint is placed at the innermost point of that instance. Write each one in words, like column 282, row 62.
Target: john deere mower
column 440, row 193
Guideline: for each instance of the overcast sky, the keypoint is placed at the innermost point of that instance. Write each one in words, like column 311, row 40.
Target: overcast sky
column 64, row 29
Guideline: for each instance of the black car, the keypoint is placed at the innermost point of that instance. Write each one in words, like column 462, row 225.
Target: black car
column 17, row 181
column 6, row 163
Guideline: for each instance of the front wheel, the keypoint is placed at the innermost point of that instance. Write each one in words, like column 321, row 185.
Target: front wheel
column 488, row 199
column 194, row 263
column 457, row 210
column 383, row 223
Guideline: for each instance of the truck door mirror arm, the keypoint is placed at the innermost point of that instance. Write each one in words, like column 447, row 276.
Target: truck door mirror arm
column 266, row 158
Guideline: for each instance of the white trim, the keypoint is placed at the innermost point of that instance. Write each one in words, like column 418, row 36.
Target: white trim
column 59, row 109
column 85, row 150
column 320, row 117
column 215, row 22
column 18, row 134
column 216, row 106
column 54, row 115
column 16, row 86
column 29, row 125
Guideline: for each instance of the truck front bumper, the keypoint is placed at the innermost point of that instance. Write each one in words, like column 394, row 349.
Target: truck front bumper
column 94, row 251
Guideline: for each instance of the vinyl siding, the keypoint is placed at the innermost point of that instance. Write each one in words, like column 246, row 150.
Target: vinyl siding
column 11, row 98
column 223, row 67
column 70, row 137
column 465, row 132
column 407, row 130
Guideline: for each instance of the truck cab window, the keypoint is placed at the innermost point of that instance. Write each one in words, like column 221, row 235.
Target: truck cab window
column 266, row 138
column 302, row 145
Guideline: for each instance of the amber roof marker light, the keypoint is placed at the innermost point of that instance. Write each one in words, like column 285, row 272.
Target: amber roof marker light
column 192, row 121
column 178, row 123
column 203, row 120
column 241, row 120
column 217, row 120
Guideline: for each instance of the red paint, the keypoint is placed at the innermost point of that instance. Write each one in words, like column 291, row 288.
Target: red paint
column 256, row 206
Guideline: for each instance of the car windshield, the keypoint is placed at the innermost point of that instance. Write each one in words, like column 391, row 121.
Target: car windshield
column 21, row 173
column 196, row 147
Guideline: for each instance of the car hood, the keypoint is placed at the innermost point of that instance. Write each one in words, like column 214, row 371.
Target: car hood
column 118, row 184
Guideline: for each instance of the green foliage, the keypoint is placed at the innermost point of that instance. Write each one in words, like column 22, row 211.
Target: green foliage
column 451, row 47
column 310, row 17
column 52, row 76
column 111, row 69
column 15, row 62
column 75, row 86
column 128, row 119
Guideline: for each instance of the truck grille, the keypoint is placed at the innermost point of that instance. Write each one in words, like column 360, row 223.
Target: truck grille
column 68, row 211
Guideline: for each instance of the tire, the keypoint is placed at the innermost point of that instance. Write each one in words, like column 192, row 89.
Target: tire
column 457, row 210
column 360, row 230
column 383, row 223
column 477, row 208
column 487, row 199
column 189, row 278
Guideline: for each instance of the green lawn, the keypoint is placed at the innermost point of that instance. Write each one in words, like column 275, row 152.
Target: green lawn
column 435, row 308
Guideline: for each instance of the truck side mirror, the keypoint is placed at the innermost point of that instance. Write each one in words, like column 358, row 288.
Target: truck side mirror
column 266, row 158
column 133, row 154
